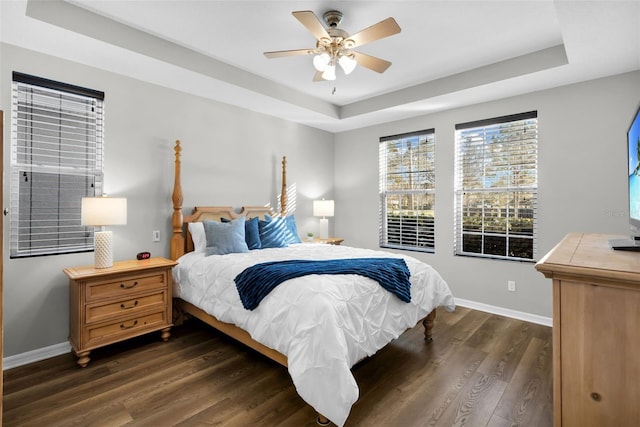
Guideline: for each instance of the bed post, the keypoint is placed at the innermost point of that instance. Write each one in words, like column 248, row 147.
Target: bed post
column 177, row 240
column 427, row 322
column 283, row 192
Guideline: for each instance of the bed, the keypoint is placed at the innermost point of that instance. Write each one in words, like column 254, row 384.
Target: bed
column 316, row 325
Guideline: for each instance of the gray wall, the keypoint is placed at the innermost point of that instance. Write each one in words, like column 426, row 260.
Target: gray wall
column 582, row 183
column 231, row 157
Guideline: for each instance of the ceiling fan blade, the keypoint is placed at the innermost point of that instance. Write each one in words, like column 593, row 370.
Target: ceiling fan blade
column 378, row 31
column 283, row 53
column 312, row 23
column 371, row 62
column 317, row 77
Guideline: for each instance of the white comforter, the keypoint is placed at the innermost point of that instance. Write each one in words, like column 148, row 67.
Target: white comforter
column 324, row 324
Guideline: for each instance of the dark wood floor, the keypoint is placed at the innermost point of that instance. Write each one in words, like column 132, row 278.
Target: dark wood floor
column 481, row 370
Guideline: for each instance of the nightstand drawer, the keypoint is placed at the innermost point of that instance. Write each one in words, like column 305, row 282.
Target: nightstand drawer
column 130, row 327
column 127, row 285
column 100, row 311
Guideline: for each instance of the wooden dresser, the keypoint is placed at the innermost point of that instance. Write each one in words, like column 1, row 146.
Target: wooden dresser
column 596, row 332
column 108, row 305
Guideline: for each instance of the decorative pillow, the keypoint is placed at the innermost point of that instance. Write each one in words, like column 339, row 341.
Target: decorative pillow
column 278, row 232
column 197, row 235
column 251, row 232
column 225, row 237
column 290, row 222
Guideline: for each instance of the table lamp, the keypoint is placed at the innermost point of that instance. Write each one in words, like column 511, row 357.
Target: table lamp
column 99, row 212
column 323, row 208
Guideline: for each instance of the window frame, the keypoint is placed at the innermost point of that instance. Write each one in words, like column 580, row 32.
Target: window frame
column 514, row 184
column 404, row 238
column 57, row 157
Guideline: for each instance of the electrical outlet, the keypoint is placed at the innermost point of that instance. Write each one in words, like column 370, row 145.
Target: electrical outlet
column 511, row 285
column 156, row 235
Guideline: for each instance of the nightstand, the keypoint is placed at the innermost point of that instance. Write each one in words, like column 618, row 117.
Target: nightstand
column 107, row 305
column 328, row 241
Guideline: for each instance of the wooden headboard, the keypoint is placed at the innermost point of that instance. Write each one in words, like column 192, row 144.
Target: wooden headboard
column 181, row 241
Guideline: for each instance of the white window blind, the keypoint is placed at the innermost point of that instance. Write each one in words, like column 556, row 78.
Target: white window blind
column 407, row 191
column 496, row 187
column 56, row 159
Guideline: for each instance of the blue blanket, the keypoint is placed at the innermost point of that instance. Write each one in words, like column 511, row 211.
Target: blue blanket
column 255, row 282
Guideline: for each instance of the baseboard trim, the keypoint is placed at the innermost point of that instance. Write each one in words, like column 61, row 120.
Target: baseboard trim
column 62, row 348
column 507, row 312
column 35, row 355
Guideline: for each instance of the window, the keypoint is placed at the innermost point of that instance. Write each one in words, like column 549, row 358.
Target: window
column 496, row 187
column 56, row 159
column 407, row 191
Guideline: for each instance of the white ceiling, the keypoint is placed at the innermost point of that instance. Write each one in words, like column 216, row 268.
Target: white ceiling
column 448, row 54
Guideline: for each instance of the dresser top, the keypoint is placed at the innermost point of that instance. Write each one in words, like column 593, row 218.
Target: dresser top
column 589, row 255
column 118, row 267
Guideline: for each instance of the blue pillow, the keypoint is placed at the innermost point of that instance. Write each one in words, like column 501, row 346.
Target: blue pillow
column 251, row 232
column 290, row 222
column 225, row 237
column 278, row 232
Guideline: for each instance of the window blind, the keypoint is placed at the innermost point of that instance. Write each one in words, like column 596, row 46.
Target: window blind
column 56, row 159
column 407, row 191
column 496, row 187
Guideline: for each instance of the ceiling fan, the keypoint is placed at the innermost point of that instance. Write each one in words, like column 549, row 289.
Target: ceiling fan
column 334, row 44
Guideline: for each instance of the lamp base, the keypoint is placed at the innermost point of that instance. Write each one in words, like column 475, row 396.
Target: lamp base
column 103, row 242
column 324, row 228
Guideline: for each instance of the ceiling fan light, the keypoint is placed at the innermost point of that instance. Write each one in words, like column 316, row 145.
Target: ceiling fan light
column 329, row 73
column 321, row 61
column 347, row 63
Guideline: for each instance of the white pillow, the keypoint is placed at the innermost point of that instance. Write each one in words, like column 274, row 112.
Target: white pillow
column 198, row 236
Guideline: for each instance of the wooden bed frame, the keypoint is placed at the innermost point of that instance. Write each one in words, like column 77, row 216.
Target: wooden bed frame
column 182, row 243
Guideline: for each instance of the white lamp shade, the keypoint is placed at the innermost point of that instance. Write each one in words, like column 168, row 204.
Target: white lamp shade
column 321, row 61
column 329, row 72
column 101, row 211
column 323, row 208
column 347, row 63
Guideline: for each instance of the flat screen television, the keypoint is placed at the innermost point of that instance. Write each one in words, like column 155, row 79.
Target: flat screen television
column 633, row 187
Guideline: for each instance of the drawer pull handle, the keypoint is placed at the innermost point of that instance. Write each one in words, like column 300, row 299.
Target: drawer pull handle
column 127, row 307
column 123, row 286
column 596, row 396
column 123, row 326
